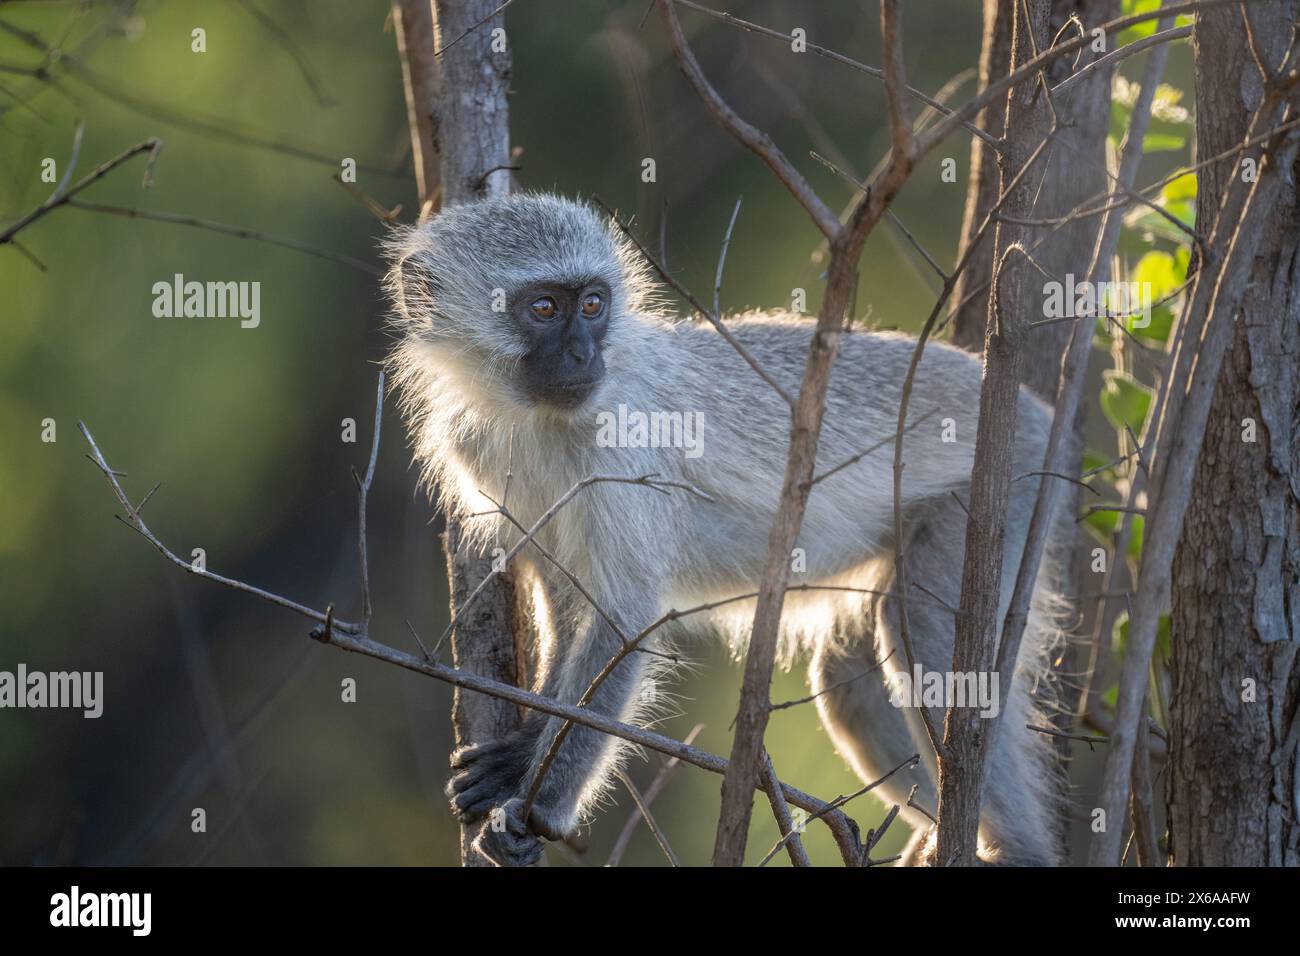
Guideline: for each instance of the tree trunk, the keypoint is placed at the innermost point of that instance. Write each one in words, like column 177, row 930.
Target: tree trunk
column 1074, row 170
column 457, row 111
column 1232, row 793
column 472, row 135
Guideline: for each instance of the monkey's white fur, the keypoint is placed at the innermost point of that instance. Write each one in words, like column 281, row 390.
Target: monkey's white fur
column 640, row 552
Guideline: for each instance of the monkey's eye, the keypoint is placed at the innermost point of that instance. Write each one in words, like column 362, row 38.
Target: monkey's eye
column 592, row 303
column 544, row 307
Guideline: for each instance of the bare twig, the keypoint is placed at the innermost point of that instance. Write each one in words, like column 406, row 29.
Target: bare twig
column 781, row 811
column 748, row 135
column 644, row 809
column 657, row 786
column 62, row 196
column 239, row 232
column 713, row 319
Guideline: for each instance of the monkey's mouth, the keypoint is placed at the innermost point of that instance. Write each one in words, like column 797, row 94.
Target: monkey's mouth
column 566, row 395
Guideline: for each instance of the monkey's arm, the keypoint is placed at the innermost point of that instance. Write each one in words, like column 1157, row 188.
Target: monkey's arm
column 498, row 773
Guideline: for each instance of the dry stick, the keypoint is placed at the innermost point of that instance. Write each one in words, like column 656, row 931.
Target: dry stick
column 965, row 744
column 714, row 320
column 950, row 283
column 846, row 244
column 59, row 198
column 413, row 29
column 1216, row 296
column 469, row 110
column 644, row 809
column 722, row 260
column 660, row 782
column 786, row 705
column 840, row 801
column 1163, row 35
column 352, row 637
column 781, row 810
column 286, row 39
column 73, row 156
column 752, row 138
column 1074, row 367
column 934, row 103
column 363, row 489
column 239, row 232
column 1144, row 818
column 134, row 521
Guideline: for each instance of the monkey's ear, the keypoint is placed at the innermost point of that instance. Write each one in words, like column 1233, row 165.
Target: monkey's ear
column 416, row 282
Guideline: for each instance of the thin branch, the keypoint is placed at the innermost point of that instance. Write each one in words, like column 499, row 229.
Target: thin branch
column 781, row 811
column 835, row 686
column 644, row 809
column 722, row 261
column 657, row 786
column 749, row 136
column 933, row 103
column 363, row 489
column 714, row 320
column 840, row 801
column 239, row 232
column 151, row 146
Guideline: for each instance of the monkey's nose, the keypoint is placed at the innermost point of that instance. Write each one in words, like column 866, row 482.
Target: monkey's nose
column 580, row 354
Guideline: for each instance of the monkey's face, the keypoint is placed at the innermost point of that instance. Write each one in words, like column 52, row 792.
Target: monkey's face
column 563, row 326
column 519, row 300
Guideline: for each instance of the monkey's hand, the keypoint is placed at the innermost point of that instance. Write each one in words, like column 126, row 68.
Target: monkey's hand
column 488, row 774
column 505, row 838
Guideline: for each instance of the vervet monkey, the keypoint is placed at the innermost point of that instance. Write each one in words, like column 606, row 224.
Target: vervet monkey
column 530, row 335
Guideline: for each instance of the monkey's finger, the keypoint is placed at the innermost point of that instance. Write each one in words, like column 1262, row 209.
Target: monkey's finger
column 466, row 756
column 465, row 779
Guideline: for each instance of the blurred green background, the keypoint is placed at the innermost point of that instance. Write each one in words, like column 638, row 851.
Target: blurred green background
column 214, row 699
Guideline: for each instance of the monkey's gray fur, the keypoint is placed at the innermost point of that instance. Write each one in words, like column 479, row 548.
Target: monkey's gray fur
column 640, row 553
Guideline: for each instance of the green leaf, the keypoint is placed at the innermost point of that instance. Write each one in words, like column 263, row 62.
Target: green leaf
column 1163, row 142
column 1102, row 525
column 1180, row 190
column 1159, row 270
column 1095, row 460
column 1132, row 7
column 1136, row 527
column 1162, row 323
column 1125, row 400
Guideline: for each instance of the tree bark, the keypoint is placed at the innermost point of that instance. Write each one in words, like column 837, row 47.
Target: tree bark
column 965, row 739
column 456, row 87
column 1232, row 794
column 983, row 188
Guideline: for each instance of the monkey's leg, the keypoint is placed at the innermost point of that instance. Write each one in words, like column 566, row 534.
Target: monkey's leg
column 849, row 671
column 1017, row 817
